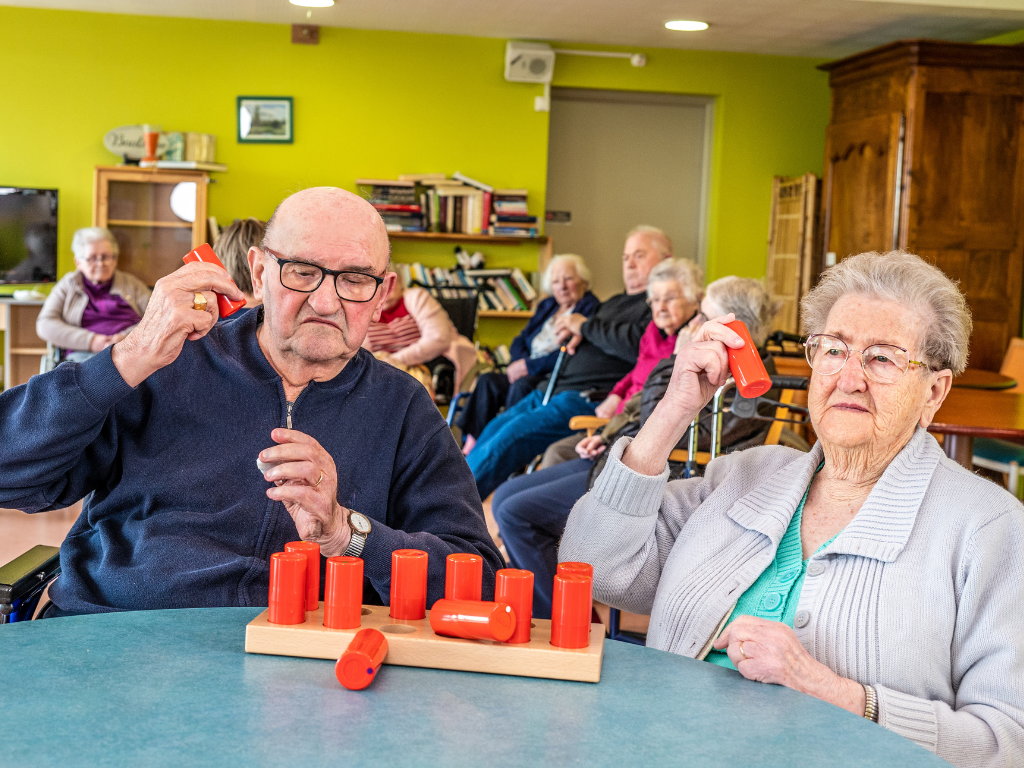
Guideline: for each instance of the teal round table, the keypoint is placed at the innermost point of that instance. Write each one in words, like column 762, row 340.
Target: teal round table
column 176, row 688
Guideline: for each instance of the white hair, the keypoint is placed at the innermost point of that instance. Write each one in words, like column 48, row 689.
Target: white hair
column 749, row 300
column 909, row 281
column 89, row 235
column 657, row 236
column 582, row 270
column 683, row 271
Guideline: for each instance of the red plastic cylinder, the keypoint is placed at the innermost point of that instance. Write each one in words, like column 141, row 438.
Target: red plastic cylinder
column 408, row 584
column 583, row 569
column 746, row 366
column 571, row 605
column 515, row 587
column 343, row 592
column 205, row 254
column 287, row 598
column 463, row 576
column 473, row 619
column 359, row 663
column 311, row 551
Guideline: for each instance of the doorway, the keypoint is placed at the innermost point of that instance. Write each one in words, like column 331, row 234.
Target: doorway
column 617, row 159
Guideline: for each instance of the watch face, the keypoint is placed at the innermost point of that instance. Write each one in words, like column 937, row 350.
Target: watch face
column 360, row 523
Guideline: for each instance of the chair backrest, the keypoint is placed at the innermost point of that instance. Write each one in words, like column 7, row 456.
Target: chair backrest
column 1013, row 364
column 460, row 303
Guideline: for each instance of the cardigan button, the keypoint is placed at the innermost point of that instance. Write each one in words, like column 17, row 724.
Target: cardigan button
column 771, row 601
column 802, row 619
column 815, row 569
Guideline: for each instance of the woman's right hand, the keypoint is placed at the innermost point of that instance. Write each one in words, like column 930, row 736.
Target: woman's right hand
column 516, row 370
column 591, row 447
column 100, row 341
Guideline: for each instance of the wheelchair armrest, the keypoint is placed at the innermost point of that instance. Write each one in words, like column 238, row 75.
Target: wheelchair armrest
column 576, row 423
column 27, row 574
column 679, row 455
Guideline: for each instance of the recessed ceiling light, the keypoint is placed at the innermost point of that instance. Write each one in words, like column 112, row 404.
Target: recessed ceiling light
column 313, row 3
column 680, row 26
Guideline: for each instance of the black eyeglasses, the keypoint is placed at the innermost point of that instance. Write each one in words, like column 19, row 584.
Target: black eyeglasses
column 304, row 277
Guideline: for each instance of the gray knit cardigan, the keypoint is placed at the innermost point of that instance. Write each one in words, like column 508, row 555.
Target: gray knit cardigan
column 921, row 595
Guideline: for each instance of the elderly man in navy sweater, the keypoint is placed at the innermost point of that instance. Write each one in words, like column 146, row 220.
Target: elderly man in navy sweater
column 161, row 433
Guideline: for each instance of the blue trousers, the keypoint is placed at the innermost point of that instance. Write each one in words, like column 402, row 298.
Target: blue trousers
column 513, row 438
column 531, row 511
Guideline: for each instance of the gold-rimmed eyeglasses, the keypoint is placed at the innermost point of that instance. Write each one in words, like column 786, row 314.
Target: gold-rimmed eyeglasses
column 303, row 277
column 882, row 363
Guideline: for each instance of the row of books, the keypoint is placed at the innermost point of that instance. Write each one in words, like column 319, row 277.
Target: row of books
column 431, row 202
column 498, row 289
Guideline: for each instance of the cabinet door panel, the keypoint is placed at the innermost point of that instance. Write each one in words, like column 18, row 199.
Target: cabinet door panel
column 859, row 187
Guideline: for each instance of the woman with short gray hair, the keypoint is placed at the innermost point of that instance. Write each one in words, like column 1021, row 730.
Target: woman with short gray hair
column 873, row 572
column 96, row 305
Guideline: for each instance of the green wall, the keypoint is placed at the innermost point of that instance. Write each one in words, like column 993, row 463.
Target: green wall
column 372, row 103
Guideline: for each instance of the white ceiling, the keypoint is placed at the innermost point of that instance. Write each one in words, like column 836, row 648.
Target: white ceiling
column 825, row 28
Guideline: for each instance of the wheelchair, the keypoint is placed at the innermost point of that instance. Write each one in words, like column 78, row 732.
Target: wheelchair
column 23, row 581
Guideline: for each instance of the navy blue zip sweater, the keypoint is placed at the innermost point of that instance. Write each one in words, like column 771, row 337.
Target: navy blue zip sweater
column 176, row 513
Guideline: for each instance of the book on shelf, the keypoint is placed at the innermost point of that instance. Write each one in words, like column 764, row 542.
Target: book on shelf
column 396, row 202
column 498, row 289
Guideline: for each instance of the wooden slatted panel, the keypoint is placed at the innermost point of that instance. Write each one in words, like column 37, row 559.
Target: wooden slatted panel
column 790, row 244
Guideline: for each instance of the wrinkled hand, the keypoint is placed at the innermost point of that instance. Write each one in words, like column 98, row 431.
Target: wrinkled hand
column 170, row 319
column 701, row 367
column 100, row 341
column 591, row 447
column 771, row 653
column 570, row 331
column 607, row 407
column 306, row 481
column 516, row 370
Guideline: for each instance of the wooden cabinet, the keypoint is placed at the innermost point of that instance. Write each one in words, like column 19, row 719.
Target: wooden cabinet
column 23, row 350
column 923, row 153
column 135, row 205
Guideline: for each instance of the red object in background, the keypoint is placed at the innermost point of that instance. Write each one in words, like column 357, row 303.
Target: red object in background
column 746, row 366
column 359, row 663
column 205, row 254
column 571, row 606
column 463, row 577
column 287, row 598
column 343, row 592
column 583, row 569
column 473, row 619
column 515, row 587
column 408, row 584
column 311, row 552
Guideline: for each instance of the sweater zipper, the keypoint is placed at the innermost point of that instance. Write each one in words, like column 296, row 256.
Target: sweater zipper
column 289, row 418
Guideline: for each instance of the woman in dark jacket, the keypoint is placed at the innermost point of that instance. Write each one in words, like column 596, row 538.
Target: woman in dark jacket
column 534, row 350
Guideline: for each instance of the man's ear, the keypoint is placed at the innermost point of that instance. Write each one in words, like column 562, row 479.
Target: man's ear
column 256, row 271
column 382, row 294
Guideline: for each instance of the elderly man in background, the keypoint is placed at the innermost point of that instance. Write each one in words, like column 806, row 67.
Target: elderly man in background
column 603, row 348
column 97, row 304
column 874, row 572
column 162, row 433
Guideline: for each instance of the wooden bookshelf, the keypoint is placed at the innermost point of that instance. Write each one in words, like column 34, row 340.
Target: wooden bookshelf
column 460, row 237
column 506, row 314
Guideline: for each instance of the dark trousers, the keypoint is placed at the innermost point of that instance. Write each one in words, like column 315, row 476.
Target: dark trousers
column 531, row 511
column 492, row 391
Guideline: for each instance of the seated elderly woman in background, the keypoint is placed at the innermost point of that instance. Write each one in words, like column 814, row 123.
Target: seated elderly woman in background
column 874, row 572
column 232, row 248
column 535, row 349
column 531, row 509
column 414, row 329
column 97, row 304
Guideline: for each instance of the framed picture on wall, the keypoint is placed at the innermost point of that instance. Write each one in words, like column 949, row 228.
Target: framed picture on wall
column 265, row 120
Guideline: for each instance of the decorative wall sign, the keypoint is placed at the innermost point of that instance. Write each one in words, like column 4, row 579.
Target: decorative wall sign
column 127, row 141
column 265, row 120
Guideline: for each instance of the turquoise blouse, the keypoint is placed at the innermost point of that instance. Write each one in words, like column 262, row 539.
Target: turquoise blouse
column 776, row 593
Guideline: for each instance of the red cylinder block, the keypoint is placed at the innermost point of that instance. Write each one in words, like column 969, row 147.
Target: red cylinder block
column 408, row 584
column 287, row 598
column 582, row 569
column 515, row 587
column 473, row 619
column 343, row 593
column 746, row 366
column 311, row 551
column 463, row 577
column 205, row 254
column 571, row 606
column 359, row 663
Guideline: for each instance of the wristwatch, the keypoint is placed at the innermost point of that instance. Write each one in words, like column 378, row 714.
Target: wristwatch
column 361, row 527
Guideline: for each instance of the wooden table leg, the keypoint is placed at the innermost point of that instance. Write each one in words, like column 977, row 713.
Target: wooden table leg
column 960, row 448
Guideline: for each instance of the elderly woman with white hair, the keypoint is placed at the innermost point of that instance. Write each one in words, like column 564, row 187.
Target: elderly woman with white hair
column 97, row 304
column 535, row 349
column 873, row 572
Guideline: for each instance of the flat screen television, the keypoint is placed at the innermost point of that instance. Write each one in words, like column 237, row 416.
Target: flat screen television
column 28, row 235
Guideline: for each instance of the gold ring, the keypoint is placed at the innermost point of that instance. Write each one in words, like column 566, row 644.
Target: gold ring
column 742, row 652
column 198, row 301
column 317, row 483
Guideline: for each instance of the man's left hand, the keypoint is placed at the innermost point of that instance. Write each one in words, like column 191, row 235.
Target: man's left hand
column 306, row 482
column 570, row 326
column 769, row 652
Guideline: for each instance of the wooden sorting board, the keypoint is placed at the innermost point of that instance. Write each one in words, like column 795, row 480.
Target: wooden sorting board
column 414, row 644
